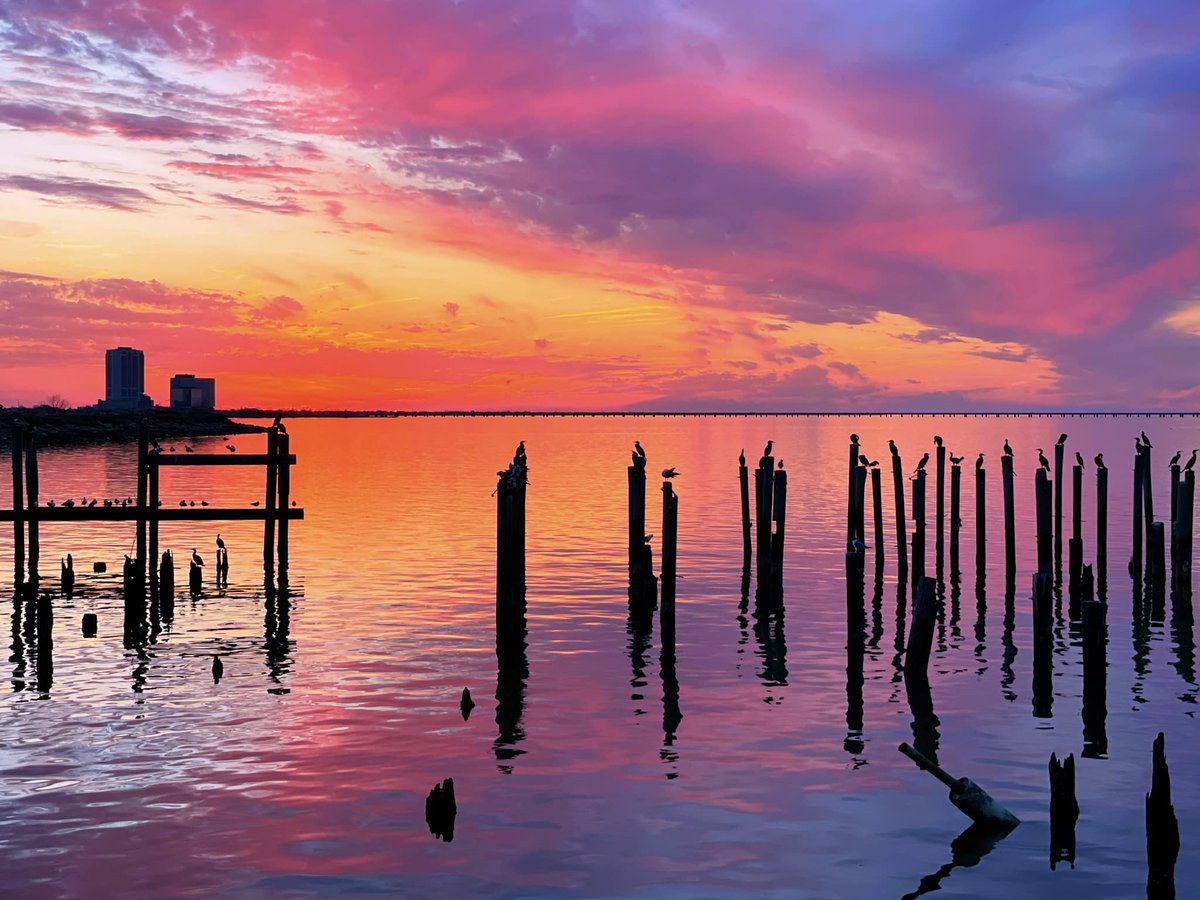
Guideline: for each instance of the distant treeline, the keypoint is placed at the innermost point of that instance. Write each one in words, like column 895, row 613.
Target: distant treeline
column 69, row 427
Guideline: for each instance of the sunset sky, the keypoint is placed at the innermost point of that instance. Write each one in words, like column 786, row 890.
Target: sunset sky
column 539, row 204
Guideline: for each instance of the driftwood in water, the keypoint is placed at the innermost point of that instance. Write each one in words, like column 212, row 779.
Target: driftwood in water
column 1064, row 810
column 440, row 810
column 965, row 794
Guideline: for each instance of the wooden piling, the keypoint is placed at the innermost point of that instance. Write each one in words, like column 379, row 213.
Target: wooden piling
column 510, row 544
column 166, row 586
column 918, row 539
column 779, row 507
column 1043, row 608
column 18, row 503
column 1148, row 485
column 955, row 514
column 1174, row 513
column 670, row 520
column 744, row 484
column 1010, row 528
column 195, row 579
column 877, row 511
column 282, row 455
column 860, row 497
column 31, row 503
column 1043, row 498
column 1064, row 810
column 1162, row 828
column 1077, row 502
column 45, row 641
column 642, row 584
column 920, row 633
column 1156, row 557
column 851, row 494
column 1138, row 509
column 270, row 501
column 980, row 521
column 1095, row 700
column 901, row 518
column 1183, row 569
column 1043, row 660
column 1102, row 530
column 940, row 503
column 152, row 517
column 764, row 478
column 1074, row 571
column 143, row 484
column 67, row 575
column 1059, row 451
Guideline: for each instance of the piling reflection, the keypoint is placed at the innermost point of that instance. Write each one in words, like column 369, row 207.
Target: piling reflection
column 17, row 657
column 1095, row 680
column 856, row 627
column 671, row 714
column 924, row 722
column 1007, row 677
column 277, row 645
column 512, row 671
column 966, row 850
column 1183, row 637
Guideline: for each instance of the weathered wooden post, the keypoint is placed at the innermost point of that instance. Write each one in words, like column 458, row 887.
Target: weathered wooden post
column 195, row 579
column 282, row 453
column 1064, row 810
column 860, row 496
column 1010, row 528
column 1075, row 545
column 642, row 584
column 918, row 539
column 1042, row 495
column 270, row 500
column 1187, row 497
column 965, row 794
column 1095, row 690
column 920, row 632
column 852, row 493
column 1148, row 485
column 901, row 517
column 670, row 535
column 166, row 586
column 1059, row 450
column 152, row 518
column 31, row 497
column 143, row 468
column 67, row 575
column 744, row 484
column 1139, row 501
column 222, row 567
column 764, row 492
column 779, row 508
column 1174, row 515
column 980, row 520
column 1156, row 562
column 1162, row 828
column 1102, row 530
column 18, row 503
column 877, row 512
column 940, row 503
column 955, row 514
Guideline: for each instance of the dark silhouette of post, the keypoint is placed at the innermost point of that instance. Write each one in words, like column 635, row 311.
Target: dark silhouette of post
column 764, row 493
column 877, row 512
column 1187, row 497
column 1156, row 564
column 1064, row 810
column 270, row 501
column 860, row 498
column 920, row 633
column 642, row 584
column 1010, row 528
column 918, row 539
column 1075, row 545
column 1043, row 636
column 852, row 495
column 901, row 517
column 1174, row 515
column 1102, row 531
column 18, row 503
column 31, row 498
column 1059, row 450
column 510, row 543
column 1162, row 828
column 282, row 454
column 143, row 508
column 1095, row 689
column 1043, row 497
column 955, row 515
column 941, row 504
column 1148, row 485
column 980, row 521
column 166, row 586
column 1139, row 501
column 67, row 576
column 744, row 484
column 779, row 510
column 670, row 522
column 152, row 518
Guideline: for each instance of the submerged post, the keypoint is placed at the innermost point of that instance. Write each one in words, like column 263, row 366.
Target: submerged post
column 965, row 794
column 901, row 517
column 1064, row 810
column 1162, row 828
column 920, row 633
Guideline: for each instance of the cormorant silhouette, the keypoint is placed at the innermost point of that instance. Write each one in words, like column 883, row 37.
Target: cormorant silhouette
column 921, row 465
column 1191, row 462
column 1175, row 458
column 1099, row 460
column 979, row 463
column 742, row 457
column 1042, row 461
column 1007, row 448
column 1079, row 458
column 892, row 447
column 1062, row 438
column 197, row 558
column 767, row 449
column 1146, row 440
column 220, row 543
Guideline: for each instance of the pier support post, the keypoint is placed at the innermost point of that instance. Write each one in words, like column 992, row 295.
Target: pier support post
column 877, row 512
column 31, row 497
column 1010, row 528
column 901, row 516
column 1043, row 497
column 670, row 538
column 270, row 501
column 18, row 503
column 918, row 539
column 282, row 450
column 1102, row 531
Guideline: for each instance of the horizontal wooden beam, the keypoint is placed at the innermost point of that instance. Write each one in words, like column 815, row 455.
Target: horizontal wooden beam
column 214, row 459
column 162, row 514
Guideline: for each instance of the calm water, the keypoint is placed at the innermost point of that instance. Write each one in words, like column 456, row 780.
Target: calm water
column 767, row 766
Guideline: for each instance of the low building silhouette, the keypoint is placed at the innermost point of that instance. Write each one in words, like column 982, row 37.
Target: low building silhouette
column 190, row 392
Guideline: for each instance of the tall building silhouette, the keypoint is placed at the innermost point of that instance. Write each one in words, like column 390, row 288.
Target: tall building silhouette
column 124, row 379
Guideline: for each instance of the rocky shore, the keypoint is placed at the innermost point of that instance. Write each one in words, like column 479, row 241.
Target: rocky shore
column 65, row 428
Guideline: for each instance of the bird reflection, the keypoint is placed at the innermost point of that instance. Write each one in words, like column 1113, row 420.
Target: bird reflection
column 966, row 851
column 512, row 671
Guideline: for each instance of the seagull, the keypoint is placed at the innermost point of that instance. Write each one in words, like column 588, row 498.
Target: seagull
column 892, row 447
column 742, row 457
column 862, row 458
column 187, row 449
column 183, row 503
column 669, row 473
column 781, row 464
column 647, row 538
column 256, row 503
column 956, row 460
column 921, row 465
column 1062, row 438
column 857, row 546
column 854, row 439
column 218, row 668
column 937, row 439
column 69, row 503
column 1175, row 459
column 1007, row 449
column 1191, row 462
column 197, row 558
column 231, row 448
column 767, row 449
column 50, row 504
column 220, row 543
column 204, row 503
column 1146, row 440
column 1045, row 463
column 637, row 445
column 1079, row 458
column 192, row 503
column 172, row 448
column 107, row 503
column 1099, row 460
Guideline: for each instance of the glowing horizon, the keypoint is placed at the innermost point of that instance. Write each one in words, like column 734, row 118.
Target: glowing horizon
column 554, row 205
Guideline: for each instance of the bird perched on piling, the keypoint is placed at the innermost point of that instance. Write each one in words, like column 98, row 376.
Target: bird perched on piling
column 1099, row 461
column 863, row 460
column 767, row 449
column 218, row 668
column 256, row 503
column 278, row 425
column 1175, row 459
column 1146, row 440
column 93, row 503
column 637, row 446
column 742, row 457
column 1079, row 458
column 1042, row 461
column 1007, row 448
column 892, row 447
column 647, row 538
column 220, row 543
column 857, row 546
column 669, row 473
column 183, row 503
column 187, row 449
column 197, row 559
column 1191, row 462
column 781, row 464
column 231, row 448
column 1062, row 438
column 937, row 439
column 50, row 504
column 69, row 503
column 956, row 460
column 854, row 439
column 519, row 455
column 921, row 465
column 466, row 704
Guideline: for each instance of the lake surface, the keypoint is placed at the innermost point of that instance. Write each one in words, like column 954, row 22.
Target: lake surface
column 766, row 766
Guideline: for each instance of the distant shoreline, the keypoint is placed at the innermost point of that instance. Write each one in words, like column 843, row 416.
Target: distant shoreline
column 77, row 427
column 623, row 414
